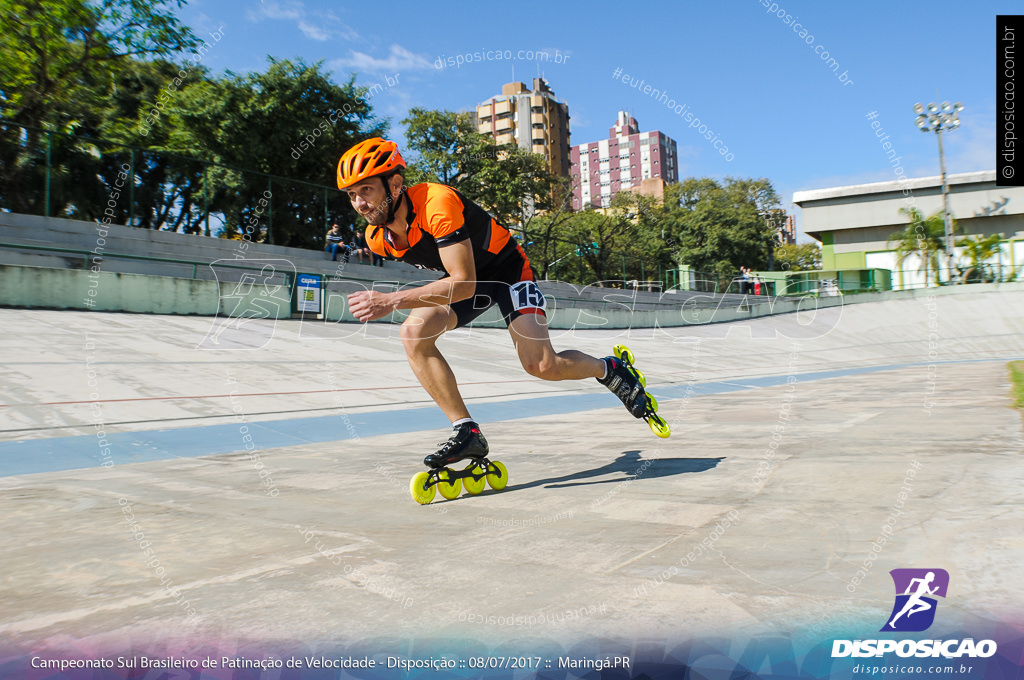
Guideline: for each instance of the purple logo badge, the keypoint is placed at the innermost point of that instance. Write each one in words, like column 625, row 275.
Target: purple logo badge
column 914, row 610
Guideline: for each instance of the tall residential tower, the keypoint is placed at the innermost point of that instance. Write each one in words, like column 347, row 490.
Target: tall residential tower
column 622, row 162
column 533, row 120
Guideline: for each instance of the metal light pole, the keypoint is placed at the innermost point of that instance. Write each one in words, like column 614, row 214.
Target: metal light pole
column 771, row 219
column 939, row 120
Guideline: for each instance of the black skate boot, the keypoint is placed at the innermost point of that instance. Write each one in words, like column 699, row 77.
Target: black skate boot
column 466, row 441
column 625, row 385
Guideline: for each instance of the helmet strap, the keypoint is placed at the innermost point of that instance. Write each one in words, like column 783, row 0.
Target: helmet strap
column 392, row 204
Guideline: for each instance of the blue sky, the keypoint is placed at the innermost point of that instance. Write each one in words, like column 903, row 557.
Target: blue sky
column 746, row 73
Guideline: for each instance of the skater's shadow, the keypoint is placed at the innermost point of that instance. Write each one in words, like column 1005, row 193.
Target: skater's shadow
column 632, row 464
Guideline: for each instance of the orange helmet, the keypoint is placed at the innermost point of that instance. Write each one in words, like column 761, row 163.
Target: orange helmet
column 368, row 158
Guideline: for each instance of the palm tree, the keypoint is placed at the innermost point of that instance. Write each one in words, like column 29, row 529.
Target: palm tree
column 923, row 237
column 979, row 249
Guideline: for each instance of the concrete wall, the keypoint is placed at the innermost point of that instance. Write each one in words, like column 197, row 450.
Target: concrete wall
column 269, row 297
column 105, row 240
column 215, row 259
column 105, row 292
column 215, row 285
column 38, row 287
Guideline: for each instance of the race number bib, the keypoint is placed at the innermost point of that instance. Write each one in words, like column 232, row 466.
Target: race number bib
column 527, row 295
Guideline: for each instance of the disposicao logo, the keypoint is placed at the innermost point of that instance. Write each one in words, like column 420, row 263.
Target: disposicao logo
column 913, row 612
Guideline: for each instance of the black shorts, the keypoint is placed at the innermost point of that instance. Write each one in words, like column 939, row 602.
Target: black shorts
column 511, row 286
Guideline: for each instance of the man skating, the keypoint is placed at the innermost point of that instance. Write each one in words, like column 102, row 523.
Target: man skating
column 433, row 226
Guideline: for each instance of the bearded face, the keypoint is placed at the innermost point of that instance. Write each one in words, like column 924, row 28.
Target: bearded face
column 370, row 199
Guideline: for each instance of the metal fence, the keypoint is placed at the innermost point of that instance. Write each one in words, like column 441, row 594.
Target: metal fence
column 982, row 273
column 58, row 174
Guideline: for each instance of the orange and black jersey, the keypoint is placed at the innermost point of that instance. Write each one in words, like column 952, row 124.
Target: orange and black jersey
column 440, row 216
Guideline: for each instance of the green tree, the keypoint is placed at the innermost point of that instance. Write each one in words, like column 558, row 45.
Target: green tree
column 649, row 247
column 924, row 238
column 511, row 184
column 48, row 49
column 169, row 191
column 85, row 158
column 599, row 241
column 443, row 142
column 446, row 148
column 718, row 226
column 552, row 255
column 979, row 250
column 290, row 121
column 713, row 227
column 173, row 192
column 797, row 257
column 48, row 46
column 541, row 243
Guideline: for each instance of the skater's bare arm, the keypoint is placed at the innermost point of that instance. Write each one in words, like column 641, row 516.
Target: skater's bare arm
column 460, row 284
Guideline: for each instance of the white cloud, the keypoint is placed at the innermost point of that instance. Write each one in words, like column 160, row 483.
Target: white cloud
column 399, row 60
column 272, row 9
column 319, row 25
column 314, row 32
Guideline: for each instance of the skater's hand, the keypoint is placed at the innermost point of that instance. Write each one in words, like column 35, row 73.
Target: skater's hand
column 368, row 305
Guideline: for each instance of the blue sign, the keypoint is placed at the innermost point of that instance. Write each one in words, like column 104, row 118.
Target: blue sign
column 308, row 293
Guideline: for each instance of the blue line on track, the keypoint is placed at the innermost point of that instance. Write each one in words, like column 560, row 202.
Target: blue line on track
column 32, row 456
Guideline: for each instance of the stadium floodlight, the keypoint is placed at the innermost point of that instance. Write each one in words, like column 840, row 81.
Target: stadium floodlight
column 938, row 123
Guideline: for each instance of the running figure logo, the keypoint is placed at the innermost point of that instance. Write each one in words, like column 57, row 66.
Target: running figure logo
column 914, row 611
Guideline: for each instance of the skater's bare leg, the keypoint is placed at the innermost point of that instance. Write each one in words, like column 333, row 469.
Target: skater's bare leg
column 420, row 333
column 530, row 335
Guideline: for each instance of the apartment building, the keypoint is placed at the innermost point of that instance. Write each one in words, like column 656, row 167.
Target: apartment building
column 533, row 120
column 621, row 162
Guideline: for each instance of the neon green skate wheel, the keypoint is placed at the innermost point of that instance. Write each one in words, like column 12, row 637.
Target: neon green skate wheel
column 640, row 376
column 659, row 426
column 652, row 403
column 474, row 485
column 621, row 351
column 448, row 489
column 497, row 477
column 421, row 493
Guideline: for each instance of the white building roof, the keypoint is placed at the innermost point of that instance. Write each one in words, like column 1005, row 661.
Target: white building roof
column 801, row 197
